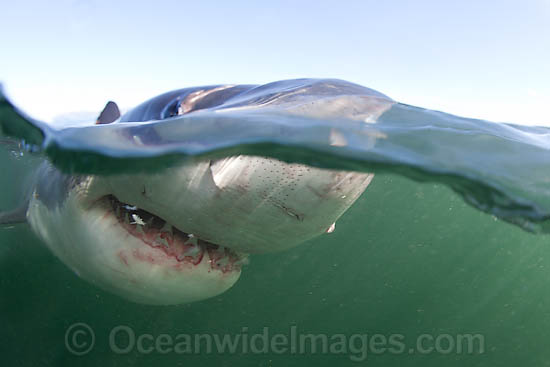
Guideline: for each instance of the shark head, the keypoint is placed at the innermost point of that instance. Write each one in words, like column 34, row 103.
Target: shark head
column 183, row 233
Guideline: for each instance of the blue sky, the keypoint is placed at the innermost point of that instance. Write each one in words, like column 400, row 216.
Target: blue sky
column 486, row 59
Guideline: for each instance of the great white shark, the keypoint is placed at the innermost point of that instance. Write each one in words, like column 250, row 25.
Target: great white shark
column 183, row 233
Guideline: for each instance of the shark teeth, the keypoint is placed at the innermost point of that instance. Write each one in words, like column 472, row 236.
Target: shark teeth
column 162, row 241
column 167, row 228
column 185, row 247
column 137, row 220
column 192, row 251
column 192, row 240
column 219, row 252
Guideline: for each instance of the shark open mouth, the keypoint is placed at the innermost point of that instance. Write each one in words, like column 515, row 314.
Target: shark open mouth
column 184, row 247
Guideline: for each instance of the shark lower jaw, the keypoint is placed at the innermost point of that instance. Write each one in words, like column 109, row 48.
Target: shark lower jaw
column 160, row 235
column 138, row 257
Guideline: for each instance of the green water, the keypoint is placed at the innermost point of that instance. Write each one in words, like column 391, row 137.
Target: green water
column 407, row 259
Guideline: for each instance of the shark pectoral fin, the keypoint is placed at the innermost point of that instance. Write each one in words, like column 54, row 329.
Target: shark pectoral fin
column 15, row 216
column 109, row 114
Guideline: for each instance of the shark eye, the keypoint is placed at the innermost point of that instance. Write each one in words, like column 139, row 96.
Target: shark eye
column 172, row 109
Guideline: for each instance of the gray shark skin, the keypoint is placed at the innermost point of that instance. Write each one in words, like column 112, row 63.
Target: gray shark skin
column 183, row 233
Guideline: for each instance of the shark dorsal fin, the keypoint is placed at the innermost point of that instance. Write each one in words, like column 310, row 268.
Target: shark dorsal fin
column 109, row 114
